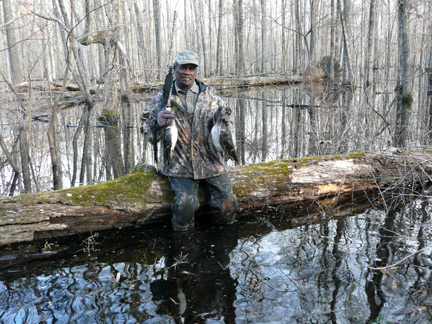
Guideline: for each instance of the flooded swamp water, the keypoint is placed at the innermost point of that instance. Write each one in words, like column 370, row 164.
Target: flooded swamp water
column 374, row 267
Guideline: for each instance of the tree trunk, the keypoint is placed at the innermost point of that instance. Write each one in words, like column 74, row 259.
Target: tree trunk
column 110, row 114
column 210, row 67
column 332, row 42
column 128, row 147
column 284, row 134
column 369, row 45
column 219, row 40
column 158, row 36
column 264, row 46
column 295, row 187
column 284, row 38
column 257, row 62
column 238, row 28
column 25, row 157
column 12, row 43
column 429, row 94
column 404, row 97
column 298, row 39
column 86, row 171
column 199, row 47
column 140, row 39
column 264, row 116
column 347, row 74
column 205, row 69
column 312, row 42
column 240, row 124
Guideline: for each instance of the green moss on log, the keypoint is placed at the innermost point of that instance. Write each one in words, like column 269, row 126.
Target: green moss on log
column 144, row 186
column 131, row 191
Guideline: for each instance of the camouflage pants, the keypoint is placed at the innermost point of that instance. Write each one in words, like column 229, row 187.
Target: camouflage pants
column 221, row 198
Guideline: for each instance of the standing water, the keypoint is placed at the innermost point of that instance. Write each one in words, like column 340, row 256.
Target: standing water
column 374, row 267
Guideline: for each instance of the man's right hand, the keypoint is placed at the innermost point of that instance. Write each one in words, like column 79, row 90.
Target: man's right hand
column 164, row 116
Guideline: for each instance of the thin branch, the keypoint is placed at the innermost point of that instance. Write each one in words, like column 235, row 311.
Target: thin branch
column 400, row 261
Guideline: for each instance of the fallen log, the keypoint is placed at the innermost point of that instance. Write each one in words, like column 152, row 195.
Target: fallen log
column 313, row 186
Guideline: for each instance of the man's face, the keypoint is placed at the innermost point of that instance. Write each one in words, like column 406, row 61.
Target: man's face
column 185, row 75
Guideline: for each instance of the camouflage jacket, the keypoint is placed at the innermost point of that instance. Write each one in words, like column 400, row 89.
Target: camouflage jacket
column 193, row 157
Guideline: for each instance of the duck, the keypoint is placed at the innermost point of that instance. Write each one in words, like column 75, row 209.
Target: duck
column 170, row 139
column 220, row 139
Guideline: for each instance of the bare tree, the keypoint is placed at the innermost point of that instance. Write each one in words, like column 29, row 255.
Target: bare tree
column 369, row 43
column 219, row 40
column 429, row 94
column 264, row 47
column 238, row 29
column 158, row 36
column 332, row 41
column 404, row 96
column 312, row 40
column 347, row 75
column 12, row 42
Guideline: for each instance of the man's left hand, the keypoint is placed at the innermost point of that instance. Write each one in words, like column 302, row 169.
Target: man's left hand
column 226, row 118
column 225, row 114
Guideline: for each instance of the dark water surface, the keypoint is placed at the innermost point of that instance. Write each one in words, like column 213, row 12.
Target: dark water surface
column 260, row 270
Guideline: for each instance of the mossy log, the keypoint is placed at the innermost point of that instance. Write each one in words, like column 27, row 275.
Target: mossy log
column 306, row 186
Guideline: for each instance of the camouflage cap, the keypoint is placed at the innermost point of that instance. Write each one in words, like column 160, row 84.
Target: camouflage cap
column 187, row 57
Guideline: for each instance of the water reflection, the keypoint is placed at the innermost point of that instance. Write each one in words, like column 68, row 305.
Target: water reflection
column 367, row 268
column 270, row 123
column 198, row 283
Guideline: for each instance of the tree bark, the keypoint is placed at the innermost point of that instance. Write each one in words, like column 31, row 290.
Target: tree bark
column 110, row 115
column 199, row 45
column 429, row 94
column 158, row 31
column 332, row 42
column 312, row 42
column 264, row 137
column 238, row 28
column 347, row 74
column 12, row 43
column 25, row 156
column 301, row 187
column 404, row 97
column 219, row 40
column 264, row 33
column 201, row 25
column 369, row 45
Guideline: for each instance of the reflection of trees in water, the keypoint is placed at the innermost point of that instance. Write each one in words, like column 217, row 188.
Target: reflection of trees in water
column 184, row 276
column 341, row 271
column 271, row 123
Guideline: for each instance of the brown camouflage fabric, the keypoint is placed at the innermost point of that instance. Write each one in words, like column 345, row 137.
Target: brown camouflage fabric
column 193, row 157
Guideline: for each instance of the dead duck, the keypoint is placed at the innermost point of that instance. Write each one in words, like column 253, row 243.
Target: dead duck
column 170, row 139
column 220, row 137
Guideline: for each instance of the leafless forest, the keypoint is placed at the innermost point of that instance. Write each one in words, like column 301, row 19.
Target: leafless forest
column 372, row 59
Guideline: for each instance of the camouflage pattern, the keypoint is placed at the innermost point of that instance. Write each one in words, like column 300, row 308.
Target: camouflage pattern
column 192, row 157
column 187, row 57
column 220, row 194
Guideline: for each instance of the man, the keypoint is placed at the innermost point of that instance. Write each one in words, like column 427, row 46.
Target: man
column 194, row 108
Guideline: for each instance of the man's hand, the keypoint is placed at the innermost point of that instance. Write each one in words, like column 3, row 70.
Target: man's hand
column 226, row 118
column 224, row 113
column 164, row 116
